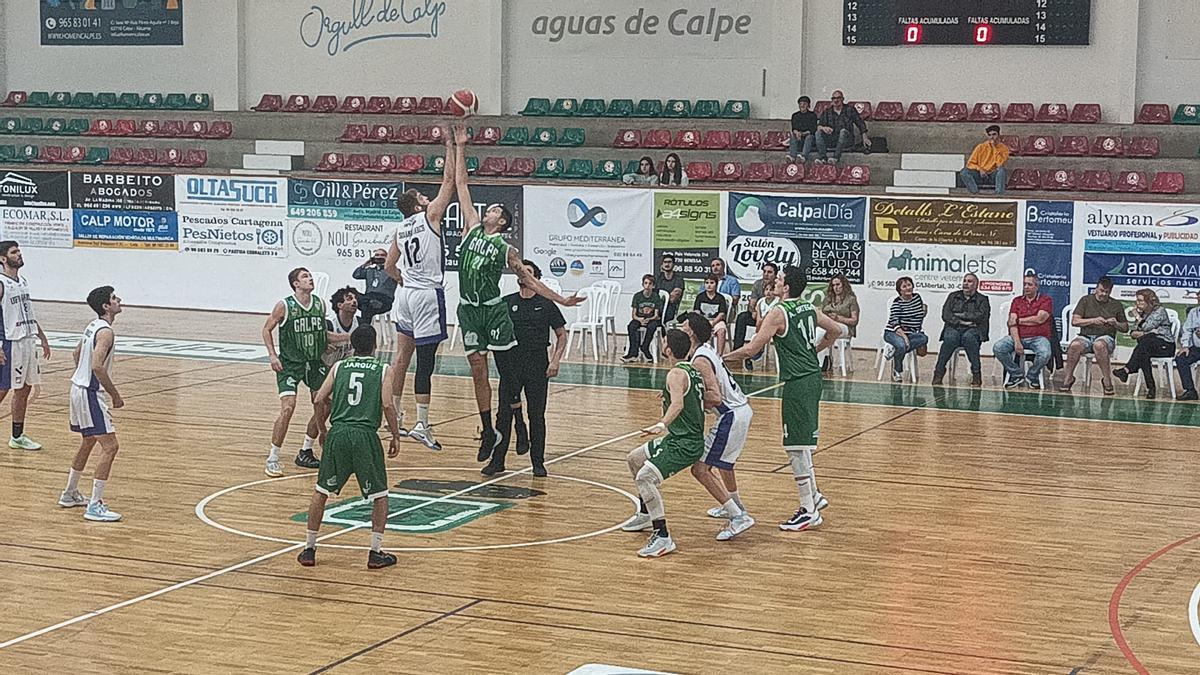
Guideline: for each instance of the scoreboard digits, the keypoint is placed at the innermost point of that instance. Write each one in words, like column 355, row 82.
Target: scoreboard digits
column 875, row 23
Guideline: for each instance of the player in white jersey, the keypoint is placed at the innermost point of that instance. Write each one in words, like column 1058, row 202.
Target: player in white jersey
column 725, row 438
column 19, row 336
column 89, row 406
column 415, row 260
column 345, row 319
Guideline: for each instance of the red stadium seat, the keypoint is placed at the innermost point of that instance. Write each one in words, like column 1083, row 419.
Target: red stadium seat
column 657, row 139
column 821, row 106
column 760, row 172
column 822, row 174
column 358, row 162
column 1107, row 146
column 521, row 167
column 1131, row 181
column 1073, row 146
column 120, row 156
column 352, row 104
column 686, row 139
column 1093, row 180
column 195, row 158
column 354, row 133
column 727, row 171
column 380, row 133
column 985, row 112
column 429, row 105
column 15, row 98
column 1085, row 113
column 172, row 129
column 324, row 104
column 486, row 136
column 194, row 129
column 628, row 138
column 431, row 136
column 124, row 128
column 168, row 157
column 408, row 134
column 51, row 154
column 715, row 139
column 1154, row 113
column 1058, row 179
column 75, row 154
column 269, row 103
column 147, row 128
column 377, row 105
column 699, row 171
column 889, row 111
column 1019, row 112
column 1055, row 113
column 145, row 156
column 1167, row 183
column 1145, row 147
column 383, row 164
column 921, row 111
column 99, row 128
column 746, row 140
column 1038, row 145
column 219, row 129
column 492, row 166
column 413, row 163
column 952, row 112
column 790, row 172
column 863, row 108
column 855, row 174
column 1024, row 179
column 1013, row 143
column 776, row 140
column 404, row 105
column 296, row 103
column 331, row 161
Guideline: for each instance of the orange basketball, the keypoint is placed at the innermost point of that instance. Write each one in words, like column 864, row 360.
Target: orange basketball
column 463, row 103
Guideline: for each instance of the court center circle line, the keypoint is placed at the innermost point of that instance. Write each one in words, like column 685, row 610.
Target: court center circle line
column 202, row 514
column 1194, row 613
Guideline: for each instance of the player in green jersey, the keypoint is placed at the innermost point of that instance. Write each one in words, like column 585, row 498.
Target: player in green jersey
column 482, row 316
column 303, row 337
column 792, row 324
column 658, row 460
column 359, row 390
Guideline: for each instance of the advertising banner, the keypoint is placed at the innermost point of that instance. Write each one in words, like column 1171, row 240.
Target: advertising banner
column 124, row 210
column 939, row 269
column 820, row 258
column 511, row 196
column 225, row 215
column 126, row 229
column 35, row 208
column 943, row 221
column 582, row 235
column 1140, row 246
column 341, row 219
column 1049, row 228
column 122, row 191
column 109, row 22
column 687, row 225
column 796, row 216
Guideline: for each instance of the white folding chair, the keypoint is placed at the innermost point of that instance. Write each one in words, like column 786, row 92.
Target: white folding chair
column 1071, row 332
column 589, row 319
column 1166, row 363
column 613, row 288
column 321, row 286
column 553, row 285
column 385, row 328
column 910, row 362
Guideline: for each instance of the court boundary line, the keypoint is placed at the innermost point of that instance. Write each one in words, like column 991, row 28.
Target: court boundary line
column 1194, row 613
column 1114, row 601
column 387, row 641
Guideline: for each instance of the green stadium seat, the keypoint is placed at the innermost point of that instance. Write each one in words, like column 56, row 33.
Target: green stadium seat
column 537, row 107
column 84, row 99
column 609, row 169
column 632, row 166
column 150, row 102
column 10, row 125
column 60, row 99
column 175, row 102
column 8, row 154
column 649, row 107
column 515, row 136
column 106, row 99
column 96, row 156
column 591, row 107
column 549, row 167
column 434, row 164
column 619, row 107
column 38, row 99
column 706, row 108
column 198, row 102
column 678, row 107
column 55, row 126
column 1186, row 113
column 543, row 137
column 736, row 109
column 579, row 168
column 28, row 153
column 472, row 164
column 564, row 107
column 571, row 137
column 77, row 127
column 129, row 101
column 31, row 126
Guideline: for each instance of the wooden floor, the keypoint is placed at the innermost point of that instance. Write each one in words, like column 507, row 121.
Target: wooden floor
column 956, row 541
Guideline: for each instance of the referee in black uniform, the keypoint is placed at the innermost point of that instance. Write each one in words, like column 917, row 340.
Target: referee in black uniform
column 533, row 318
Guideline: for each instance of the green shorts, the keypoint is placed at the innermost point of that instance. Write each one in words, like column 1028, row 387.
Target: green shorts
column 801, row 411
column 486, row 328
column 311, row 373
column 672, row 455
column 352, row 450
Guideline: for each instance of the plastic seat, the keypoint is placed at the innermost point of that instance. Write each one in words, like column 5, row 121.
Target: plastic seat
column 1094, row 180
column 632, row 167
column 175, row 101
column 13, row 100
column 31, row 126
column 536, row 107
column 678, row 107
column 10, row 125
column 358, row 162
column 760, row 172
column 736, row 109
column 564, row 107
column 75, row 154
column 1058, row 179
column 1013, row 143
column 686, row 139
column 377, row 105
column 493, row 166
column 1107, row 146
column 129, row 101
column 97, row 155
column 323, row 104
column 383, row 164
column 199, row 102
column 172, row 129
column 1187, row 113
column 147, row 128
column 727, row 171
column 1131, row 181
column 1144, row 147
column 472, row 165
column 746, row 140
column 520, row 167
column 380, row 133
column 855, row 174
column 404, row 105
column 1038, row 146
column 168, row 157
column 579, row 169
column 706, row 108
column 1167, row 183
column 657, row 139
column 54, row 126
column 59, row 99
column 571, row 137
column 952, row 112
column 151, row 101
column 99, row 128
column 51, row 154
column 219, row 129
column 407, row 134
column 715, row 139
column 628, row 138
column 28, row 153
column 542, row 137
column 194, row 129
column 8, row 154
column 863, row 108
column 822, row 174
column 609, row 169
column 486, row 136
column 1073, row 146
column 648, row 107
column 296, row 103
column 1019, row 112
column 889, row 111
column 1024, row 179
column 515, row 136
column 985, row 112
column 1052, row 113
column 1085, row 113
column 331, row 161
column 120, row 156
column 619, row 107
column 431, row 136
column 38, row 99
column 790, row 172
column 1154, row 113
column 429, row 105
column 821, row 107
column 699, row 171
column 410, row 163
column 195, row 158
column 921, row 111
column 145, row 156
column 776, row 140
column 591, row 107
column 84, row 99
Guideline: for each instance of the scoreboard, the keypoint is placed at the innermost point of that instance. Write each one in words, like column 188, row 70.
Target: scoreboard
column 875, row 23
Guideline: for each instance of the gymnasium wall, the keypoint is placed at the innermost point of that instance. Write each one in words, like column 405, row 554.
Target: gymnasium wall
column 1168, row 57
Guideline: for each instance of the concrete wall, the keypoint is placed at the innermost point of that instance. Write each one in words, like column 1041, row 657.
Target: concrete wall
column 1168, row 59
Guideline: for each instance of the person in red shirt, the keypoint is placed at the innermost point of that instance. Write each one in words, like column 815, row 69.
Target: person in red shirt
column 1030, row 329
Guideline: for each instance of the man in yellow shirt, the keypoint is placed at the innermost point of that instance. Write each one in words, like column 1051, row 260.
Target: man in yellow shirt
column 987, row 159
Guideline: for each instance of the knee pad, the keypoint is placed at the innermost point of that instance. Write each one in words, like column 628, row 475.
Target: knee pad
column 801, row 461
column 648, row 476
column 426, row 356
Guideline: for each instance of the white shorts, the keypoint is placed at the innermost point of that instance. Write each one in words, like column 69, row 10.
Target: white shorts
column 725, row 439
column 20, row 363
column 420, row 313
column 89, row 412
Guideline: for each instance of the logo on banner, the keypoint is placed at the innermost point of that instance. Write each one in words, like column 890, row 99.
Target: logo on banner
column 748, row 254
column 1154, row 271
column 366, row 20
column 887, row 229
column 945, row 222
column 16, row 185
column 580, row 214
column 748, row 214
column 558, row 267
column 232, row 190
column 306, row 238
column 906, row 261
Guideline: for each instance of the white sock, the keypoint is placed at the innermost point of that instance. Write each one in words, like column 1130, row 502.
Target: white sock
column 804, row 483
column 737, row 500
column 98, row 490
column 376, row 541
column 812, row 472
column 310, row 539
column 733, row 508
column 73, row 481
column 273, row 456
column 423, row 413
column 308, row 442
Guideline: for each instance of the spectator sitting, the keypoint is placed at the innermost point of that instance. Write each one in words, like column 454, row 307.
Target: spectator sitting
column 670, row 281
column 726, row 283
column 672, row 172
column 1098, row 317
column 715, row 307
column 903, row 333
column 987, row 159
column 647, row 314
column 840, row 303
column 837, row 127
column 645, row 174
column 1189, row 352
column 747, row 318
column 1154, row 336
column 965, row 316
column 381, row 288
column 1030, row 326
column 802, row 139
